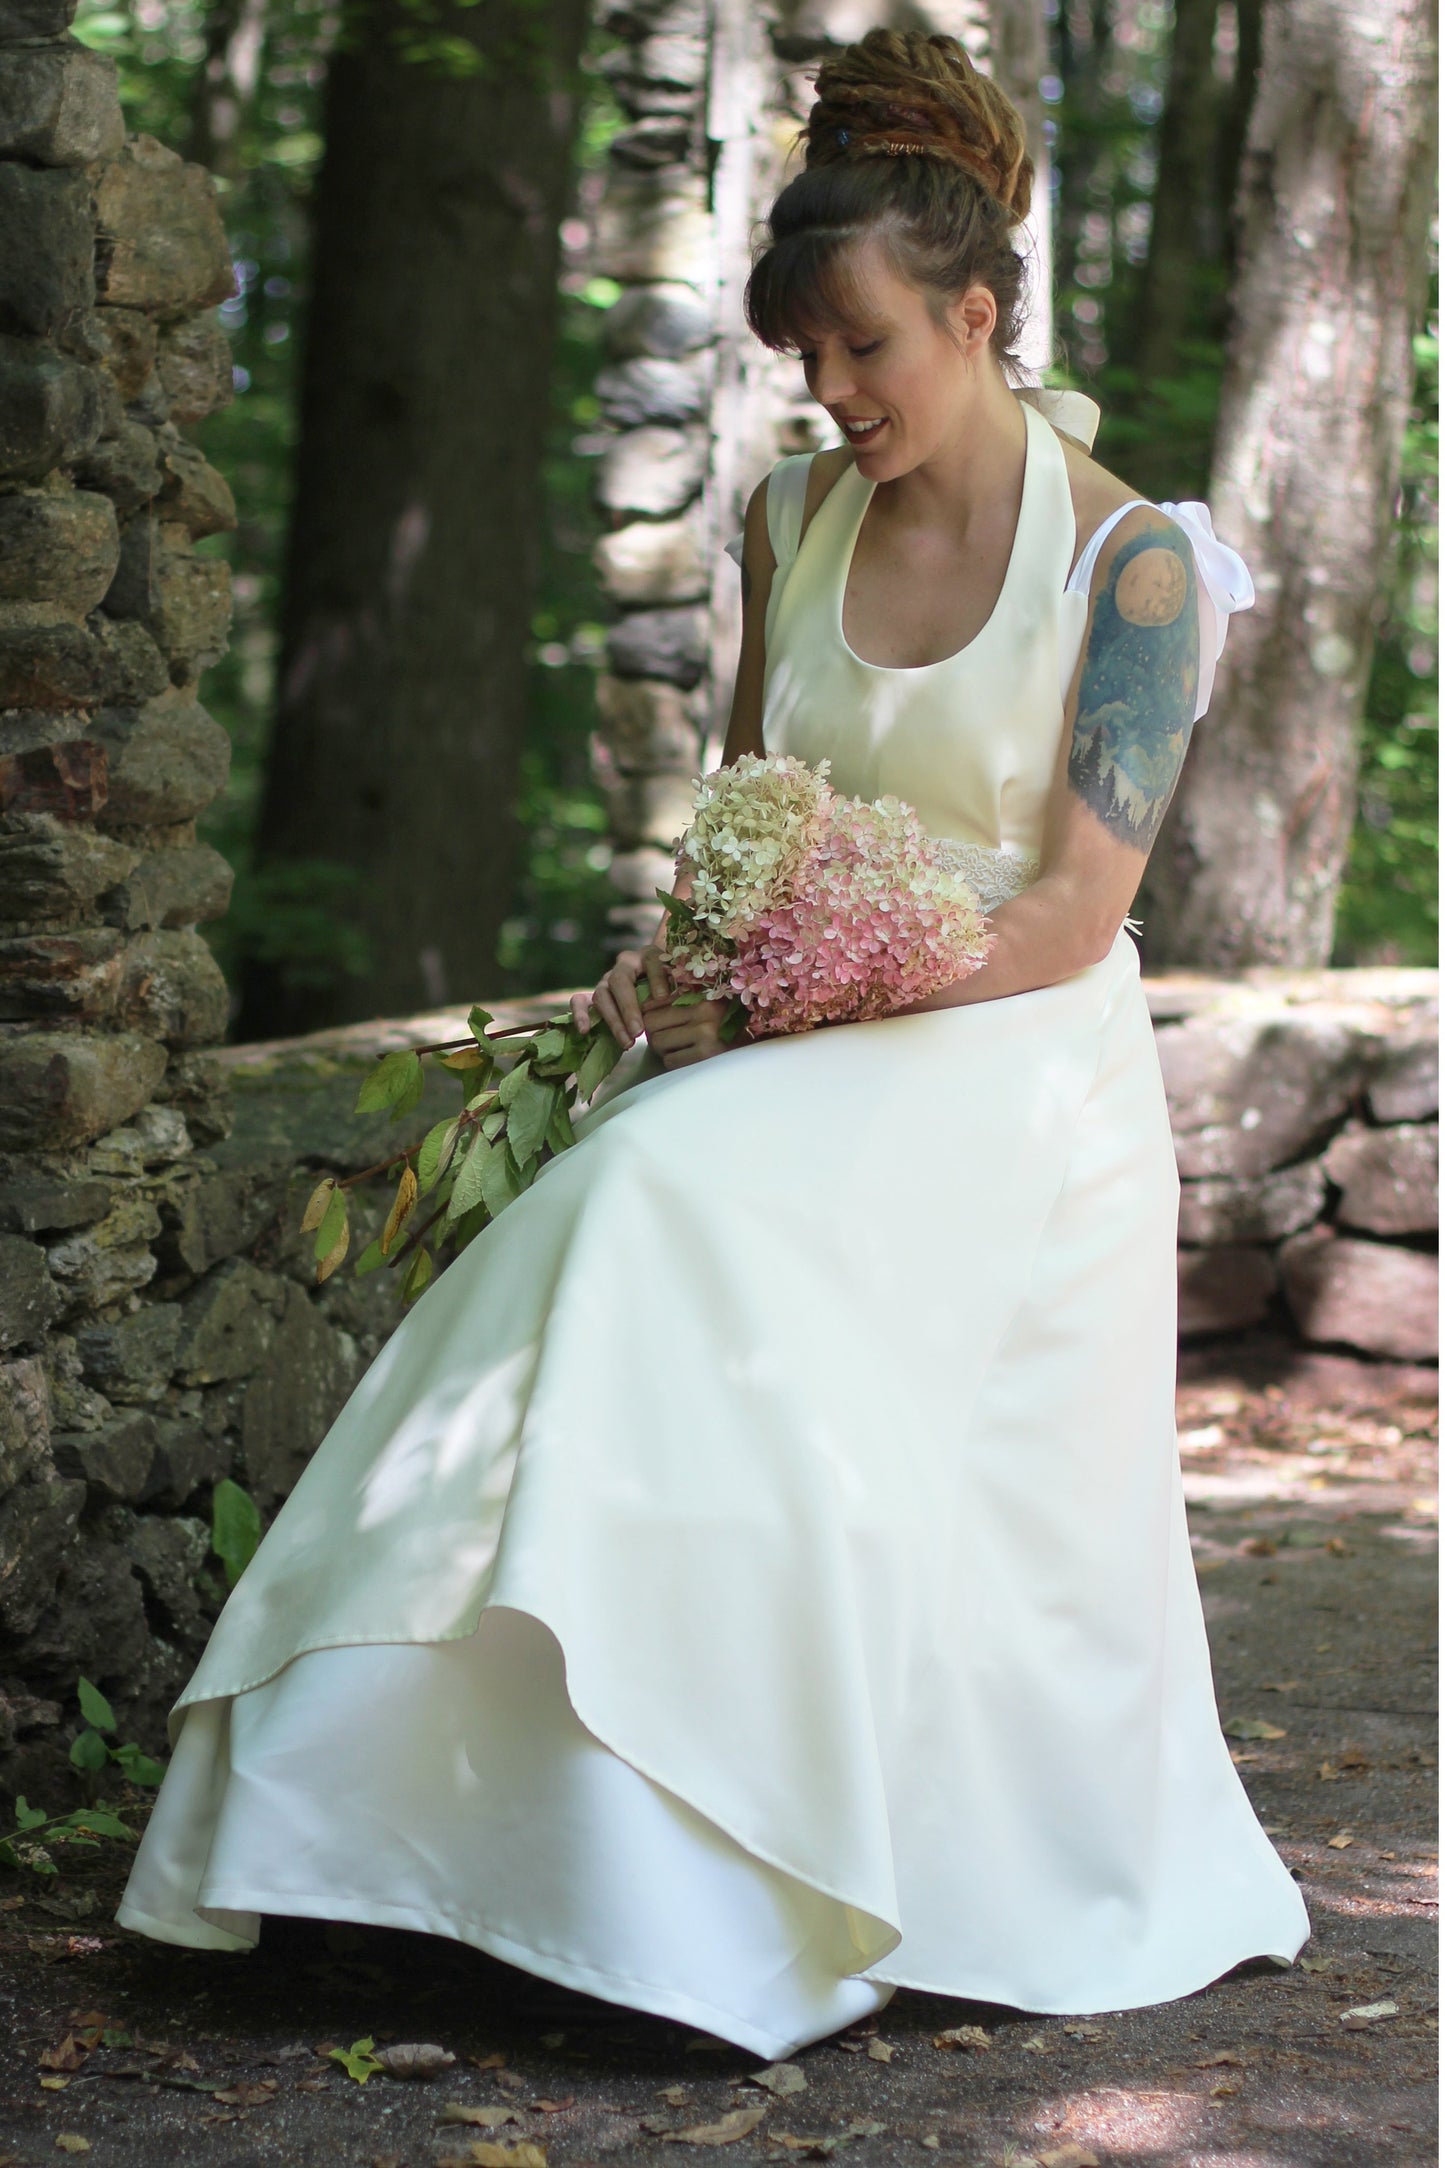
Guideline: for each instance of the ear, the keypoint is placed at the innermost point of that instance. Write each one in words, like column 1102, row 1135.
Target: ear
column 972, row 316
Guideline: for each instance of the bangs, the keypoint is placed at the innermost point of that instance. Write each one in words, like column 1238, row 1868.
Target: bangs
column 808, row 283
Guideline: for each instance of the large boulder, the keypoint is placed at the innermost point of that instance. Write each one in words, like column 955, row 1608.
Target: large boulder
column 294, row 1399
column 1264, row 1210
column 1223, row 1290
column 1390, row 1178
column 63, row 1089
column 1250, row 1091
column 160, row 244
column 59, row 104
column 166, row 760
column 1370, row 1295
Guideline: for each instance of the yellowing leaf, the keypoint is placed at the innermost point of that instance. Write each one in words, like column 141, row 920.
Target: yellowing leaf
column 879, row 2051
column 1253, row 1727
column 316, row 1205
column 332, row 1222
column 418, row 1272
column 401, row 1208
column 55, row 2085
column 725, row 2131
column 1340, row 1843
column 780, row 2079
column 458, row 2111
column 466, row 1057
column 335, row 1255
column 70, row 2141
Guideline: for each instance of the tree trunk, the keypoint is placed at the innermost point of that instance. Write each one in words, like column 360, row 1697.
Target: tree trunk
column 224, row 85
column 1186, row 233
column 413, row 539
column 1335, row 199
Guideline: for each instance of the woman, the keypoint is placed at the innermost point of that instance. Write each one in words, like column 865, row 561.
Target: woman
column 754, row 1577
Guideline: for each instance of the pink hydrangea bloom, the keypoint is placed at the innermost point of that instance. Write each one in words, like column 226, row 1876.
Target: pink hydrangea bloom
column 850, row 917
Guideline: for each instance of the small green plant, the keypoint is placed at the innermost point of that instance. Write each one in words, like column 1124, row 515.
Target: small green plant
column 357, row 2061
column 88, row 1750
column 518, row 1087
column 235, row 1528
column 37, row 1833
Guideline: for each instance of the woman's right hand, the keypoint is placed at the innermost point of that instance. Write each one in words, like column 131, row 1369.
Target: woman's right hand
column 616, row 997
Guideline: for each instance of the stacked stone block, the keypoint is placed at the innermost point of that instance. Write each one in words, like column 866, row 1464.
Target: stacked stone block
column 1306, row 1117
column 133, row 1336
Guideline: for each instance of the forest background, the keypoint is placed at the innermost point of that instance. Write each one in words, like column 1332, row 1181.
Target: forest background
column 239, row 85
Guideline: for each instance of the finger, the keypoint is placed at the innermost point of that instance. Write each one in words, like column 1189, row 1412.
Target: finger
column 608, row 1011
column 659, row 978
column 621, row 981
column 582, row 1020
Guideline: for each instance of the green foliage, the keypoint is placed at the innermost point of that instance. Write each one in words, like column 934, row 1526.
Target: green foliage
column 38, row 1834
column 235, row 1528
column 519, row 1089
column 357, row 2061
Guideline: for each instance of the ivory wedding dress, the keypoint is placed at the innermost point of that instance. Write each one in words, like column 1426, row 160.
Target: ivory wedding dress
column 754, row 1576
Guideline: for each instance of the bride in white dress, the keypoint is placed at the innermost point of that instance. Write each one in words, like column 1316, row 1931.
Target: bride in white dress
column 754, row 1577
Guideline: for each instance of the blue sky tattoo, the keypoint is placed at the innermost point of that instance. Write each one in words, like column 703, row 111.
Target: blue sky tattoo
column 1138, row 686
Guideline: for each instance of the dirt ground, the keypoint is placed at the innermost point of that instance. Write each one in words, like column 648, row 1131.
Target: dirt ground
column 1312, row 1499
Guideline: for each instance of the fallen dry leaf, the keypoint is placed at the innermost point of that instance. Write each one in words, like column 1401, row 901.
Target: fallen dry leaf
column 1253, row 1727
column 488, row 2062
column 1259, row 1547
column 931, row 2140
column 963, row 2036
column 1327, row 1773
column 457, row 2111
column 413, row 2059
column 1069, row 2155
column 69, row 2055
column 70, row 2141
column 1085, row 2032
column 780, row 2079
column 1368, row 2013
column 1222, row 2092
column 553, row 2040
column 725, row 2131
column 247, row 2096
column 676, row 2096
column 1316, row 1964
column 1340, row 1843
column 1223, row 2055
column 486, row 2153
column 55, row 2085
column 1039, row 2044
column 554, row 2107
column 880, row 2051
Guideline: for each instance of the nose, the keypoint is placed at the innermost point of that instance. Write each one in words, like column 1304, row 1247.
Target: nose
column 832, row 378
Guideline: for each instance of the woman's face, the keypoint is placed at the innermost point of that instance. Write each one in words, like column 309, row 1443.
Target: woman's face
column 894, row 380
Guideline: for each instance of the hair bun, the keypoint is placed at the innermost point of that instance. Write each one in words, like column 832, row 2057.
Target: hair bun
column 898, row 93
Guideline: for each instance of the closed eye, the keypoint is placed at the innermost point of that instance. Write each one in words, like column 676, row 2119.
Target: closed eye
column 859, row 353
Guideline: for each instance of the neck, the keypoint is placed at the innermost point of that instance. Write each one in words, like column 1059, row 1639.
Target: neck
column 977, row 467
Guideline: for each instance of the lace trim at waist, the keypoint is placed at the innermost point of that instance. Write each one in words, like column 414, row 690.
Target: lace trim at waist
column 997, row 875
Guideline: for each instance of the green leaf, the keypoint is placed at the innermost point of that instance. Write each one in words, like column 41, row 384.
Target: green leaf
column 467, row 1188
column 358, row 2061
column 88, row 1750
column 494, row 1123
column 529, row 1115
column 26, row 1816
column 551, row 1045
column 394, row 1076
column 94, row 1707
column 372, row 1256
column 477, row 1023
column 8, row 1855
column 235, row 1527
column 500, row 1183
column 418, row 1272
column 99, row 1823
column 515, row 1081
column 136, row 1764
column 470, row 1225
column 601, row 1059
column 559, row 1129
column 435, row 1156
column 333, row 1220
column 734, row 1021
column 688, row 1000
column 679, row 911
column 412, row 1091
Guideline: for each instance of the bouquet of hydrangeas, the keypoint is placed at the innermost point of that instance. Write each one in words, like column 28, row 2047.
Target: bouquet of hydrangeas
column 807, row 908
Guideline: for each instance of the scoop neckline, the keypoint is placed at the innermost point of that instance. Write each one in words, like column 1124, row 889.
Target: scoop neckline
column 916, row 669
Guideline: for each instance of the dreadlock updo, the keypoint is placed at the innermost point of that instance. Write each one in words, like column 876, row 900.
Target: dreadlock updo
column 909, row 145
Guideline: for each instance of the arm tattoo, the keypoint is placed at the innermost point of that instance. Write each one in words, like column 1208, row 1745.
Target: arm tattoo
column 1138, row 687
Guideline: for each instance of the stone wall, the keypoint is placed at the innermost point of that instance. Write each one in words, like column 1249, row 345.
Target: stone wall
column 111, row 1004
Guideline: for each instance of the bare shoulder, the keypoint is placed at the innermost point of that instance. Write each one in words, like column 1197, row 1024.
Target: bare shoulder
column 827, row 468
column 1096, row 493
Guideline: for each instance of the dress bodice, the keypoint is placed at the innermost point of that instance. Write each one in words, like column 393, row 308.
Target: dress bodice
column 970, row 742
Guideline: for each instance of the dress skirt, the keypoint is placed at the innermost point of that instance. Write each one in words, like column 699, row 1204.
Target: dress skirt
column 754, row 1576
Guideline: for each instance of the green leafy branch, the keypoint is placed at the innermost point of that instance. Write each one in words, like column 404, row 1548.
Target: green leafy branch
column 519, row 1087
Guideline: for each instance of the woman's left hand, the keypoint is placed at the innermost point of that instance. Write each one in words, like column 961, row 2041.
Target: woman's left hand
column 682, row 1036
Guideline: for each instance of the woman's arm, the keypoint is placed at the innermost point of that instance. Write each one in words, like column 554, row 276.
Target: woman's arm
column 1127, row 723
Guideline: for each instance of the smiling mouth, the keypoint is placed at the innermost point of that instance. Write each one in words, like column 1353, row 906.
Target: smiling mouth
column 858, row 429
